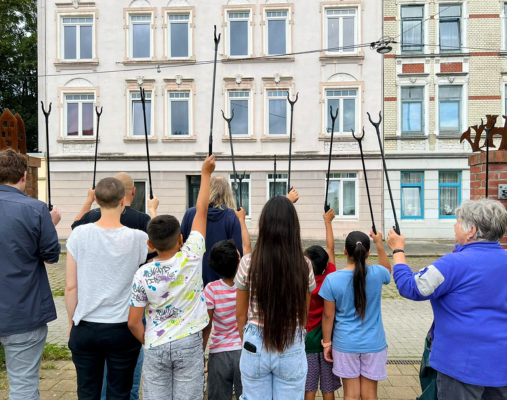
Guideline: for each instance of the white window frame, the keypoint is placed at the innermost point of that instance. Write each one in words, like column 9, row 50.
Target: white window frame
column 150, row 95
column 80, row 113
column 357, row 29
column 190, row 33
column 146, row 193
column 288, row 28
column 278, row 180
column 250, row 112
column 267, row 98
column 246, row 180
column 463, row 27
column 188, row 99
column 426, row 29
column 325, row 110
column 131, row 33
column 461, row 81
column 503, row 23
column 249, row 30
column 334, row 176
column 78, row 36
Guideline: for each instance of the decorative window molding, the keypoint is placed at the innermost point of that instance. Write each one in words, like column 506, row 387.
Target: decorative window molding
column 178, row 87
column 414, row 81
column 132, row 88
column 285, row 84
column 452, row 80
column 75, row 14
column 176, row 12
column 137, row 12
column 278, row 11
column 239, row 84
column 237, row 11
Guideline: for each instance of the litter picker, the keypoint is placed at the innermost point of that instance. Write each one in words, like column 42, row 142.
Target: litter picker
column 143, row 102
column 289, row 187
column 229, row 120
column 327, row 206
column 217, row 41
column 96, row 144
column 46, row 115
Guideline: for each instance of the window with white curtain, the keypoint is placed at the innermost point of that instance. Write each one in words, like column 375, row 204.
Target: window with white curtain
column 178, row 31
column 412, row 195
column 277, row 22
column 450, row 28
column 345, row 101
column 244, row 192
column 340, row 30
column 449, row 106
column 449, row 187
column 342, row 194
column 79, row 114
column 412, row 28
column 179, row 113
column 137, row 117
column 140, row 36
column 412, row 110
column 77, row 38
column 280, row 185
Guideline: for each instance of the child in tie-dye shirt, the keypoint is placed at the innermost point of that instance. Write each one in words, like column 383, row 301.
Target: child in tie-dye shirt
column 169, row 291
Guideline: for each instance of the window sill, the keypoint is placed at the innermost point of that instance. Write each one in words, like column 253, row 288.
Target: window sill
column 281, row 138
column 188, row 60
column 129, row 139
column 77, row 140
column 254, row 59
column 342, row 58
column 337, row 137
column 175, row 139
column 240, row 139
column 77, row 64
column 141, row 62
column 406, row 137
column 449, row 136
column 451, row 74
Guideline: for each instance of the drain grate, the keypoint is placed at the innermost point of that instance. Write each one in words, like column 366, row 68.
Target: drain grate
column 406, row 361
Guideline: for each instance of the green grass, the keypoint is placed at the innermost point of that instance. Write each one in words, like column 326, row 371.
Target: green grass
column 58, row 293
column 2, row 358
column 53, row 352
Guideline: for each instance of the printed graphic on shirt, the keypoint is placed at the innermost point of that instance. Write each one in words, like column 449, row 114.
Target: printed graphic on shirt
column 172, row 293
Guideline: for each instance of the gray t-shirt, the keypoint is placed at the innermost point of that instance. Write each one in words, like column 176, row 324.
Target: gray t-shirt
column 106, row 263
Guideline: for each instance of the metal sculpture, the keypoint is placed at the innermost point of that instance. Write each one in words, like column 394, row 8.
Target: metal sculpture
column 229, row 120
column 475, row 142
column 143, row 102
column 359, row 142
column 46, row 116
column 289, row 187
column 327, row 206
column 377, row 128
column 96, row 144
column 12, row 134
column 217, row 41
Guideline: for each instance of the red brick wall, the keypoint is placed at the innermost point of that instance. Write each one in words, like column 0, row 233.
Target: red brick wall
column 32, row 177
column 451, row 67
column 413, row 68
column 497, row 175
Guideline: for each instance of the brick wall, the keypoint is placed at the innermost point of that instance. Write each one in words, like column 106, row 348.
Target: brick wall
column 451, row 67
column 32, row 177
column 497, row 175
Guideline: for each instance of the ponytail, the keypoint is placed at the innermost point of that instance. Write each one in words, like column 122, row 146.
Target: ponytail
column 358, row 245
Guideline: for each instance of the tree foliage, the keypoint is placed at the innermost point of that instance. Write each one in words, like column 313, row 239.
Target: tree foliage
column 18, row 63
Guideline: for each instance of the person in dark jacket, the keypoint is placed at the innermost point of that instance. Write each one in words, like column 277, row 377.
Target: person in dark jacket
column 28, row 238
column 222, row 223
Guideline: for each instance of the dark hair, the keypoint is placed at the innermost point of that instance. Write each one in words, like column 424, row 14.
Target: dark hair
column 279, row 275
column 12, row 167
column 358, row 245
column 163, row 232
column 319, row 258
column 109, row 192
column 223, row 258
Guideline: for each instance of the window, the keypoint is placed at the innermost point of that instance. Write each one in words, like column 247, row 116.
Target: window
column 193, row 186
column 140, row 36
column 277, row 26
column 139, row 201
column 277, row 112
column 412, row 110
column 345, row 101
column 449, row 193
column 238, row 34
column 505, row 25
column 77, row 38
column 341, row 30
column 280, row 185
column 412, row 195
column 342, row 195
column 137, row 117
column 449, row 98
column 179, row 114
column 244, row 191
column 239, row 101
column 79, row 114
column 179, row 28
column 412, row 28
column 450, row 28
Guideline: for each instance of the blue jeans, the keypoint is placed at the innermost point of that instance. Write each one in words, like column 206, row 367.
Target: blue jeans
column 134, row 394
column 272, row 375
column 23, row 354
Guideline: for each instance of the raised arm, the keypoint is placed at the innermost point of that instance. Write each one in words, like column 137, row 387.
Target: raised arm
column 293, row 195
column 245, row 236
column 87, row 205
column 201, row 214
column 328, row 221
column 152, row 206
column 382, row 256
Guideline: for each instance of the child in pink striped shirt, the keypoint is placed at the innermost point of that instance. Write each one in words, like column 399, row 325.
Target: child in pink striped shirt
column 225, row 347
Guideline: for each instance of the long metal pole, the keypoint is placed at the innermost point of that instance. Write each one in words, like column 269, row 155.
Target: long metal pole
column 146, row 137
column 274, row 180
column 377, row 128
column 359, row 141
column 289, row 187
column 217, row 41
column 46, row 115
column 96, row 144
column 229, row 120
column 327, row 206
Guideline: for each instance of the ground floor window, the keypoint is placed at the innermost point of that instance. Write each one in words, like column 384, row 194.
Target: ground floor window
column 193, row 186
column 449, row 193
column 245, row 191
column 342, row 195
column 412, row 195
column 139, row 202
column 280, row 187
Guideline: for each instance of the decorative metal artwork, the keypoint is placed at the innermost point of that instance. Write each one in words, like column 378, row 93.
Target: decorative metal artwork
column 475, row 141
column 12, row 132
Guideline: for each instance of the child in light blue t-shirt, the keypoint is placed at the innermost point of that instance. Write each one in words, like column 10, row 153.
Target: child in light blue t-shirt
column 352, row 298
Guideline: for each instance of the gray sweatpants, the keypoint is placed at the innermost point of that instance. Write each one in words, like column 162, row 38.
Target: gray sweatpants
column 451, row 389
column 175, row 370
column 223, row 373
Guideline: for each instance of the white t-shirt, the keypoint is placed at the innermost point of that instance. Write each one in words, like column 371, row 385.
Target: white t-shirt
column 172, row 292
column 107, row 260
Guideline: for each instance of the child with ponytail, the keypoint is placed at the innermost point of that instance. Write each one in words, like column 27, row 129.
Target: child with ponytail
column 357, row 344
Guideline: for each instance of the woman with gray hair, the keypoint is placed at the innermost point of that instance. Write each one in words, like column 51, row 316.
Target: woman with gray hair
column 468, row 293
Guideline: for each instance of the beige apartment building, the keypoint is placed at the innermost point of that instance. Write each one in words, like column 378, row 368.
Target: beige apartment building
column 447, row 71
column 96, row 53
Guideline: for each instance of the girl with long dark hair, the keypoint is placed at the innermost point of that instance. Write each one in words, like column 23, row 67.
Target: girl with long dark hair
column 274, row 285
column 352, row 297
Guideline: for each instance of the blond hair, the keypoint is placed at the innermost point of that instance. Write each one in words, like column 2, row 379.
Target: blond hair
column 220, row 194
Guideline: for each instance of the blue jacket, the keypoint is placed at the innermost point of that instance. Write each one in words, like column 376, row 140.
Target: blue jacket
column 468, row 293
column 27, row 239
column 221, row 225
